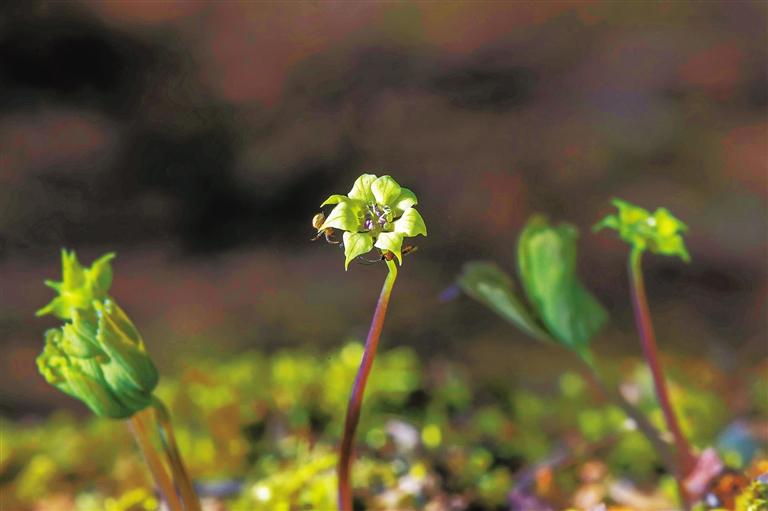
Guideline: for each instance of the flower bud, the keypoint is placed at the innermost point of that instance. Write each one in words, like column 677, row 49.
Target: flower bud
column 98, row 355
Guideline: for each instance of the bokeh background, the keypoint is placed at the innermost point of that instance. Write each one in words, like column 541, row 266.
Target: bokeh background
column 197, row 140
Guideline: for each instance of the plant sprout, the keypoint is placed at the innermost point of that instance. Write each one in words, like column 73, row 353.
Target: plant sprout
column 660, row 233
column 99, row 357
column 377, row 212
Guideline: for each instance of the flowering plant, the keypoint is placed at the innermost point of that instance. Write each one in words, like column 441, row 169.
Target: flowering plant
column 377, row 212
column 660, row 232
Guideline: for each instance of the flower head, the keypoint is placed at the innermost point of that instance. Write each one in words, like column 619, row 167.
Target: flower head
column 660, row 232
column 97, row 355
column 377, row 212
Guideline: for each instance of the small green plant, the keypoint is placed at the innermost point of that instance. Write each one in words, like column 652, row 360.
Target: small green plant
column 99, row 357
column 660, row 233
column 559, row 309
column 377, row 212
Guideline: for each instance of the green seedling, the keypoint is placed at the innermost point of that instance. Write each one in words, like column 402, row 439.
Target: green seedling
column 376, row 213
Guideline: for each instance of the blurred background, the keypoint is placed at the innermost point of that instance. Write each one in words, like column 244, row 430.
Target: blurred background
column 198, row 139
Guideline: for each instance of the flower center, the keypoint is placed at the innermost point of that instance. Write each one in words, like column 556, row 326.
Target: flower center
column 378, row 218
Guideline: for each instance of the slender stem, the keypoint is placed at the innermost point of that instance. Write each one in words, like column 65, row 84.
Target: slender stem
column 685, row 458
column 650, row 431
column 154, row 462
column 358, row 388
column 180, row 474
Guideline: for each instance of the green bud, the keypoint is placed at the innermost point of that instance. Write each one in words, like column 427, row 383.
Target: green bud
column 660, row 232
column 97, row 355
column 377, row 212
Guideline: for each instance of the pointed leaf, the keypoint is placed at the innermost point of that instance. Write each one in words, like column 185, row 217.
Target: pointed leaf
column 392, row 241
column 492, row 287
column 411, row 224
column 356, row 244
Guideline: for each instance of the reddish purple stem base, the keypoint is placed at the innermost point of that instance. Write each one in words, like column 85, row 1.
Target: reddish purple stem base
column 684, row 455
column 358, row 389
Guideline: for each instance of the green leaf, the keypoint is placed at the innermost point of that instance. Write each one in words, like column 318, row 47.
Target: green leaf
column 489, row 285
column 392, row 241
column 361, row 190
column 356, row 244
column 345, row 216
column 407, row 199
column 547, row 268
column 411, row 224
column 385, row 190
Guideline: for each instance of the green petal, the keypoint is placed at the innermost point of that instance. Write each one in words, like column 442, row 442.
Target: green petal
column 661, row 233
column 385, row 190
column 79, row 286
column 345, row 216
column 99, row 276
column 334, row 199
column 411, row 224
column 356, row 244
column 94, row 394
column 407, row 199
column 361, row 190
column 609, row 222
column 129, row 368
column 72, row 272
column 392, row 241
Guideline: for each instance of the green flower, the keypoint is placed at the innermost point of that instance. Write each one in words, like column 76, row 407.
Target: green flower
column 377, row 212
column 97, row 355
column 660, row 232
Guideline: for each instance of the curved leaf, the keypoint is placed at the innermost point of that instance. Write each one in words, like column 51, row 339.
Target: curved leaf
column 547, row 268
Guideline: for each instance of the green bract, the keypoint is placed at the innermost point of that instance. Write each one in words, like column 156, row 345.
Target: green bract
column 97, row 355
column 660, row 232
column 377, row 212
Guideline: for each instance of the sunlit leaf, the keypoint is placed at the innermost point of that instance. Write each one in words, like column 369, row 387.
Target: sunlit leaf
column 547, row 269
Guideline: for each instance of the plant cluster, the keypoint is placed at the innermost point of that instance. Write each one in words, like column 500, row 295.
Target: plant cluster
column 426, row 441
column 257, row 432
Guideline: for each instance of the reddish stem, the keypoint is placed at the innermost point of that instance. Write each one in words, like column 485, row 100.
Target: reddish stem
column 685, row 458
column 358, row 389
column 156, row 467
